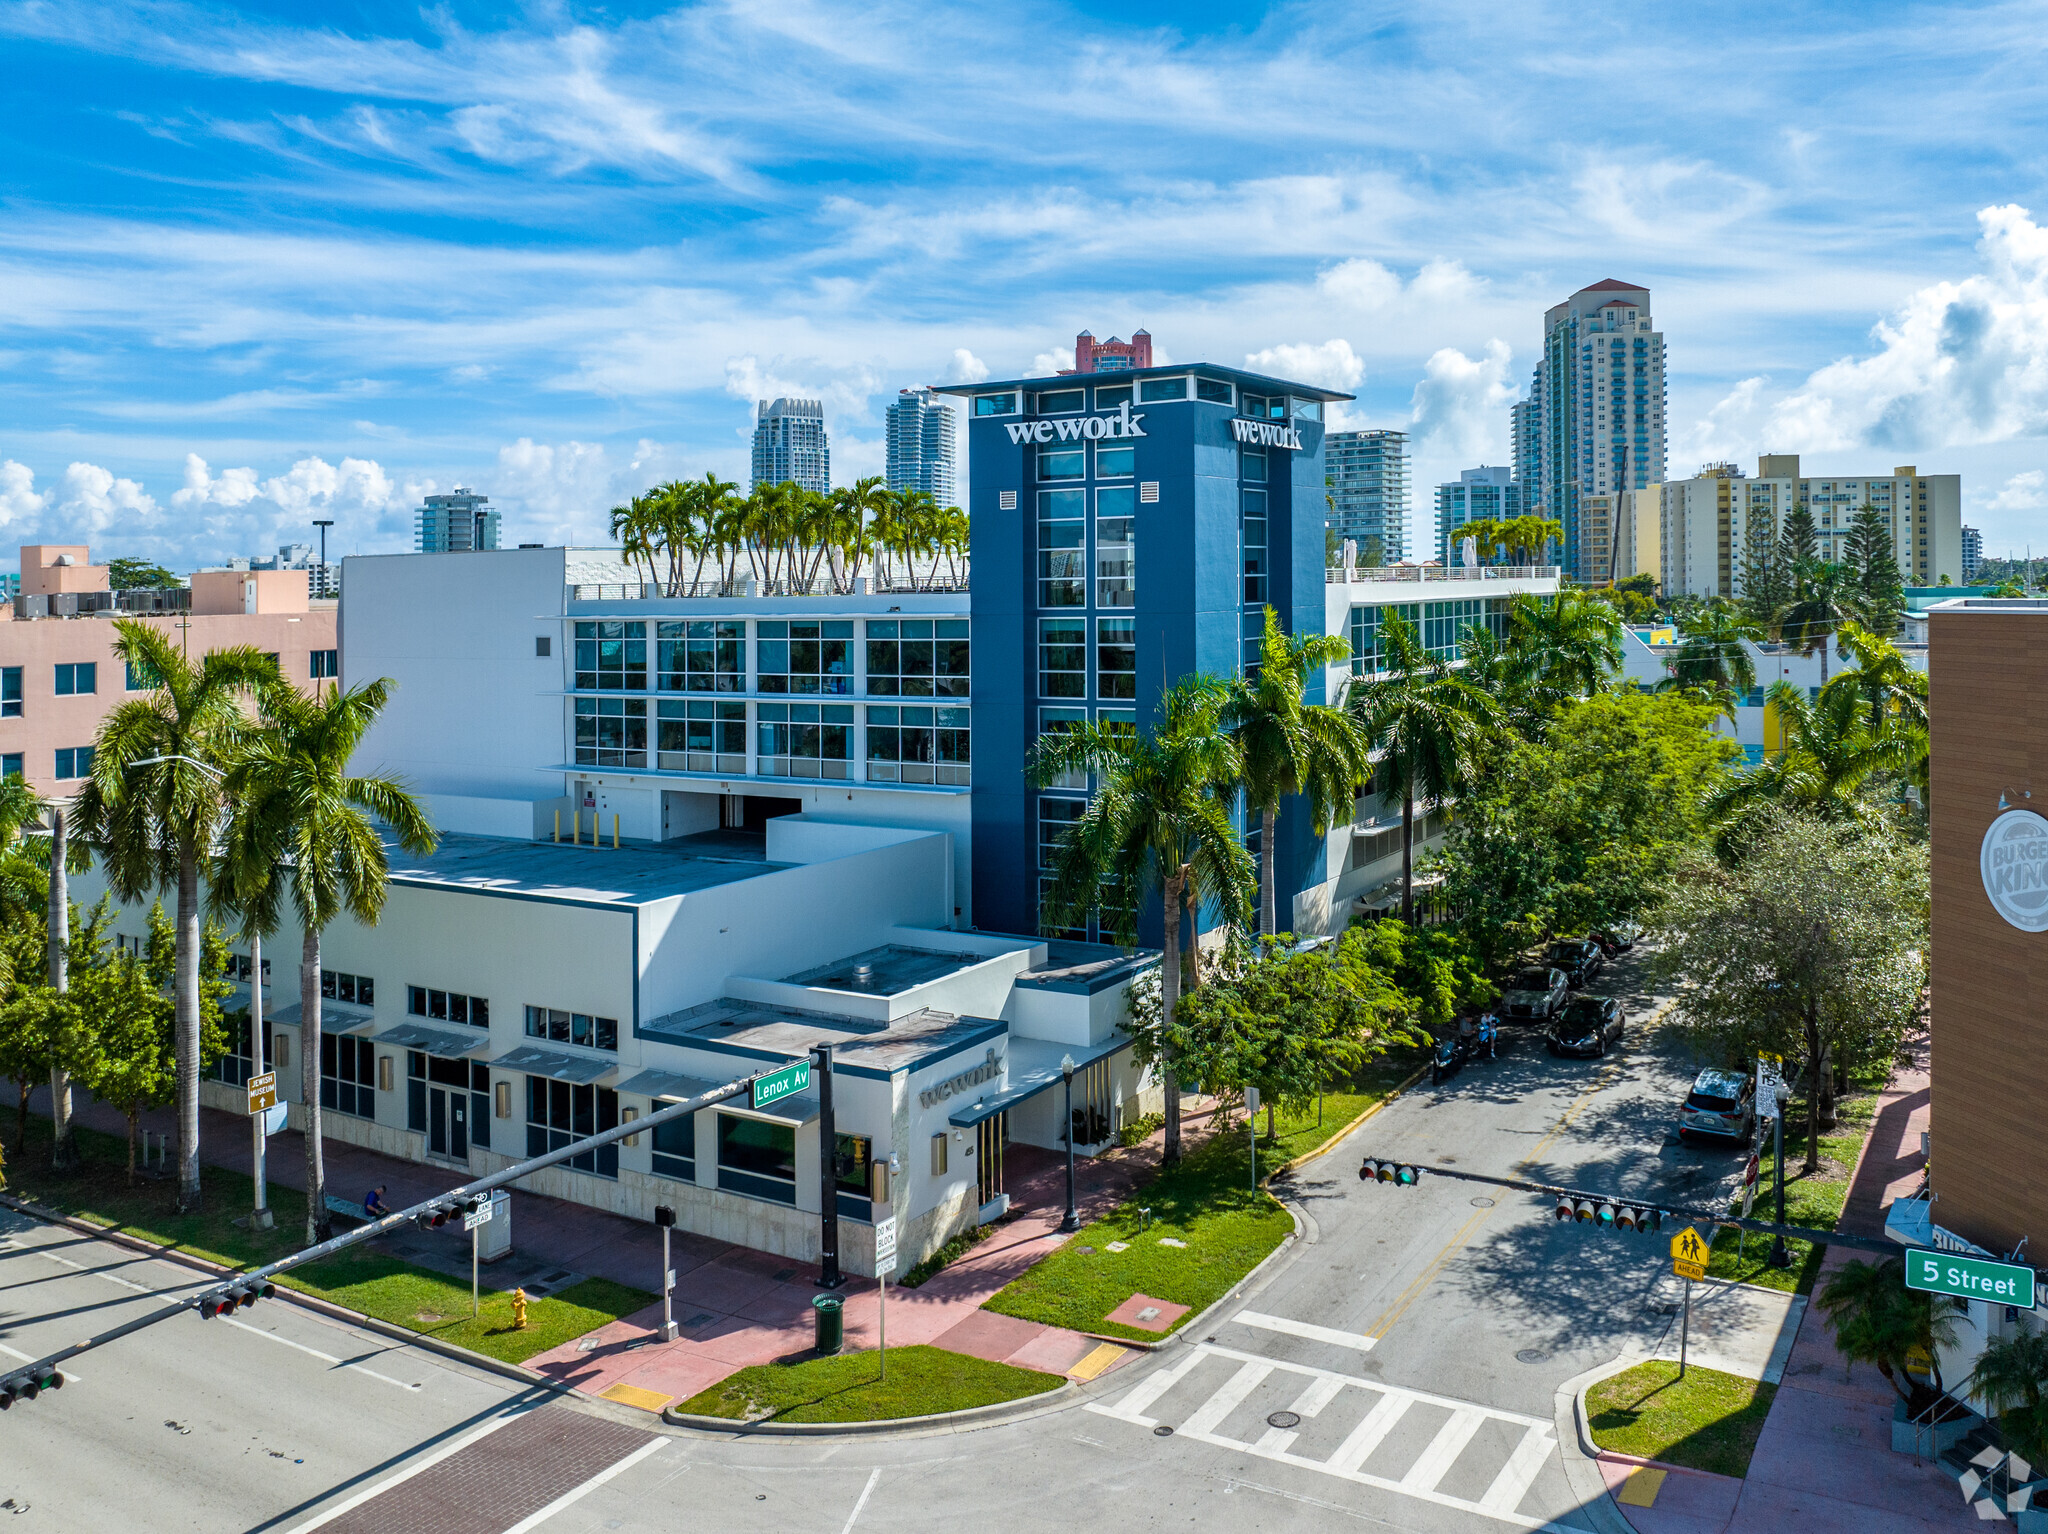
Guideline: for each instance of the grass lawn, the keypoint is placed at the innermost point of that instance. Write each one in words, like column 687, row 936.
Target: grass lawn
column 1815, row 1202
column 1707, row 1421
column 375, row 1284
column 848, row 1388
column 1207, row 1203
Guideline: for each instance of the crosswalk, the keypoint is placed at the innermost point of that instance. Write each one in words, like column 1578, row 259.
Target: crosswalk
column 1475, row 1459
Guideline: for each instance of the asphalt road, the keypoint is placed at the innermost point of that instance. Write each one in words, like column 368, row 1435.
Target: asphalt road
column 1418, row 1340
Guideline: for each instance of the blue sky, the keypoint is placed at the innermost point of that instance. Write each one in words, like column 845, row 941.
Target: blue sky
column 263, row 263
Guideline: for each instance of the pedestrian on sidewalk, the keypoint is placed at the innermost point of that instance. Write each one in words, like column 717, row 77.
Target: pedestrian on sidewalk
column 373, row 1203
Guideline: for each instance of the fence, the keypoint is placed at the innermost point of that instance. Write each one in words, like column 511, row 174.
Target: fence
column 1337, row 575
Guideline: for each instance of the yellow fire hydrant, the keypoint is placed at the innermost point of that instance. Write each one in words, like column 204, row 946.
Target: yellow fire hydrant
column 518, row 1310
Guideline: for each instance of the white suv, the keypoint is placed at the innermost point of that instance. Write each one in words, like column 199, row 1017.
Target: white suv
column 1721, row 1106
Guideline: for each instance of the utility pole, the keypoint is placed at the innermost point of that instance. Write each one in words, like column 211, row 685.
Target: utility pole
column 829, row 1276
column 63, row 1142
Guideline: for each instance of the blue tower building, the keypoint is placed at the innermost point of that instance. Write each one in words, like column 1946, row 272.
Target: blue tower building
column 1126, row 531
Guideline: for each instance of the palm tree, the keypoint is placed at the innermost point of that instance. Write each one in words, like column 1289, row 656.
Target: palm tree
column 1569, row 645
column 1822, row 602
column 1895, row 693
column 1159, row 820
column 1825, row 756
column 151, row 807
column 1291, row 746
column 1424, row 720
column 2011, row 1378
column 1877, row 1320
column 1713, row 651
column 301, row 825
column 638, row 530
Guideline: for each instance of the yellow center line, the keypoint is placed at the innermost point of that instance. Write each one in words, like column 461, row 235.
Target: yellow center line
column 1422, row 1280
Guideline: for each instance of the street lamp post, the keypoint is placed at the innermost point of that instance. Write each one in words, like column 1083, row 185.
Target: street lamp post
column 1072, row 1220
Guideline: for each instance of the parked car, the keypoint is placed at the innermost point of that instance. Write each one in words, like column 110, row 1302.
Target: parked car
column 1720, row 1106
column 1580, row 958
column 1617, row 940
column 1534, row 995
column 1590, row 1025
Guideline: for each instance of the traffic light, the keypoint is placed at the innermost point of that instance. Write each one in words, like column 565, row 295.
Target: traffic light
column 1399, row 1173
column 27, row 1385
column 1604, row 1215
column 1583, row 1211
column 223, row 1302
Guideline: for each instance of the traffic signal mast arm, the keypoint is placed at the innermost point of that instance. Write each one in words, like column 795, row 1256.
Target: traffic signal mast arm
column 1578, row 1196
column 227, row 1293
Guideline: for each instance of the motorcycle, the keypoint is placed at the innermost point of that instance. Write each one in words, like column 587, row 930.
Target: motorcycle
column 1487, row 1041
column 1452, row 1050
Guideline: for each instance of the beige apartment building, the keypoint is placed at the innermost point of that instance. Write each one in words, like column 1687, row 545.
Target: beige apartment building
column 1691, row 533
column 59, row 675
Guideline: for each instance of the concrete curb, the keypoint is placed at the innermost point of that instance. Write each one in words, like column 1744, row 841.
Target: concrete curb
column 1578, row 1455
column 1331, row 1143
column 996, row 1411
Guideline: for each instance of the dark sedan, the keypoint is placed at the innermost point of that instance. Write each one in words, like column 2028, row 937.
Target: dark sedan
column 1590, row 1025
column 1580, row 958
column 1534, row 995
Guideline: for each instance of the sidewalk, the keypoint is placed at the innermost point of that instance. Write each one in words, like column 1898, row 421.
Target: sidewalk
column 1824, row 1461
column 735, row 1307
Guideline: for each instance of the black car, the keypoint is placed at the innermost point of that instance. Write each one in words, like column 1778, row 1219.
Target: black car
column 1617, row 940
column 1590, row 1025
column 1534, row 995
column 1580, row 958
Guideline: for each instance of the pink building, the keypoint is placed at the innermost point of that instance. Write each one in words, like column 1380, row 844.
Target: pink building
column 58, row 673
column 1112, row 356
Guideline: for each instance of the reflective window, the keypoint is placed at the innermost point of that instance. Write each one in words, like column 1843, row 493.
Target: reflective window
column 919, row 657
column 1116, row 657
column 804, row 657
column 1213, row 389
column 1116, row 524
column 1062, row 462
column 572, row 1028
column 1059, row 401
column 1252, row 534
column 558, row 1113
column 611, row 732
column 611, row 656
column 1114, row 462
column 10, row 692
column 701, row 657
column 701, row 737
column 348, row 1081
column 1112, row 396
column 83, row 676
column 1152, row 390
column 675, row 1147
column 1062, row 548
column 1063, row 657
column 912, row 744
column 995, row 404
column 757, row 1157
column 803, row 740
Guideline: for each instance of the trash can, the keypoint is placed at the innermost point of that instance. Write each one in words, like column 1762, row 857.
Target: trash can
column 829, row 1311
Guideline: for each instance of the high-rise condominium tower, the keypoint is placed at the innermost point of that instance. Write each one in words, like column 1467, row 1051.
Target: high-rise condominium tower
column 921, row 446
column 1476, row 495
column 789, row 444
column 1598, row 405
column 1368, row 473
column 460, row 522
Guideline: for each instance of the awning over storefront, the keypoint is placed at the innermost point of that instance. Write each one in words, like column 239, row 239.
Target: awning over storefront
column 548, row 1062
column 445, row 1042
column 667, row 1084
column 335, row 1017
column 1032, row 1066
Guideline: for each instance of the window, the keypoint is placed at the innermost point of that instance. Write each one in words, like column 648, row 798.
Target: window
column 1252, row 465
column 804, row 657
column 1063, row 657
column 917, row 745
column 611, row 732
column 1062, row 548
column 10, row 765
column 559, row 1112
column 918, row 658
column 237, row 1063
column 803, row 740
column 1111, row 396
column 1213, row 389
column 700, row 657
column 1252, row 528
column 325, row 663
column 74, row 762
column 1265, row 407
column 852, row 1169
column 611, row 656
column 443, row 1006
column 1116, row 657
column 1054, row 816
column 1062, row 462
column 141, row 676
column 995, row 404
column 1060, row 401
column 675, row 1148
column 543, row 645
column 561, row 1027
column 1116, row 523
column 471, row 1075
column 240, row 969
column 1115, row 462
column 347, row 1079
column 1054, row 721
column 1152, row 390
column 10, row 692
column 80, row 677
column 701, row 737
column 757, row 1158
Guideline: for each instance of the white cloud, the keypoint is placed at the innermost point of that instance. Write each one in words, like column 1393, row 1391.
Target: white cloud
column 94, row 500
column 1460, row 406
column 966, row 368
column 1958, row 363
column 1061, row 360
column 1333, row 364
column 2025, row 491
column 231, row 487
column 1729, row 431
column 19, row 502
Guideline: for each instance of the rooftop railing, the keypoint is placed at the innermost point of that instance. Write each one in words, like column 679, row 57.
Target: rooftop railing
column 824, row 586
column 1337, row 575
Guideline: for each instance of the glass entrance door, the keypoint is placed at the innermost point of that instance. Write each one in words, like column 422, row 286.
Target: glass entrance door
column 448, row 1123
column 990, row 1136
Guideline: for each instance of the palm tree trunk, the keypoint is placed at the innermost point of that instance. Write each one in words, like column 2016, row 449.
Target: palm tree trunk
column 1169, row 1001
column 1408, row 855
column 134, row 1132
column 1268, row 914
column 63, row 1143
column 187, row 1036
column 318, row 1225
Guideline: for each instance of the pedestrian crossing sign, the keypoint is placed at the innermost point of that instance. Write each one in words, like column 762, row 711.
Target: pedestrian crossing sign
column 1689, row 1254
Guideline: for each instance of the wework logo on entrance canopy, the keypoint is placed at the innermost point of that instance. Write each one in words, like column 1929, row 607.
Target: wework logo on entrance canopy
column 1122, row 424
column 1265, row 433
column 991, row 1067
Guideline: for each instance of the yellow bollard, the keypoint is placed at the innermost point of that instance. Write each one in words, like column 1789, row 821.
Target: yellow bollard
column 575, row 827
column 518, row 1310
column 558, row 825
column 615, row 833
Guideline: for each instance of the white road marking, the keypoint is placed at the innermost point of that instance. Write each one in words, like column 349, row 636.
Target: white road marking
column 1331, row 1335
column 1372, row 1429
column 424, row 1462
column 1210, row 1414
column 29, row 1358
column 1512, row 1484
column 865, row 1492
column 339, row 1363
column 1443, row 1450
column 1150, row 1389
column 1320, row 1393
column 526, row 1525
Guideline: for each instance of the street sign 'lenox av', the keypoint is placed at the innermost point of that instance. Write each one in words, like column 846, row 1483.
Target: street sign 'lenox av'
column 776, row 1085
column 1970, row 1278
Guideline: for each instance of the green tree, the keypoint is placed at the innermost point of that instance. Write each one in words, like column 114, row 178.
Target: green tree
column 129, row 574
column 1798, row 541
column 1880, row 595
column 1158, row 821
column 1877, row 1320
column 152, row 804
column 303, row 828
column 1289, row 745
column 134, row 1067
column 1822, row 601
column 1765, row 575
column 1425, row 721
column 2011, row 1378
column 1813, row 945
column 1713, row 653
column 1825, row 758
column 1569, row 645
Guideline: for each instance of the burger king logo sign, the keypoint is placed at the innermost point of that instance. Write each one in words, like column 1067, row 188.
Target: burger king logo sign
column 2014, row 864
